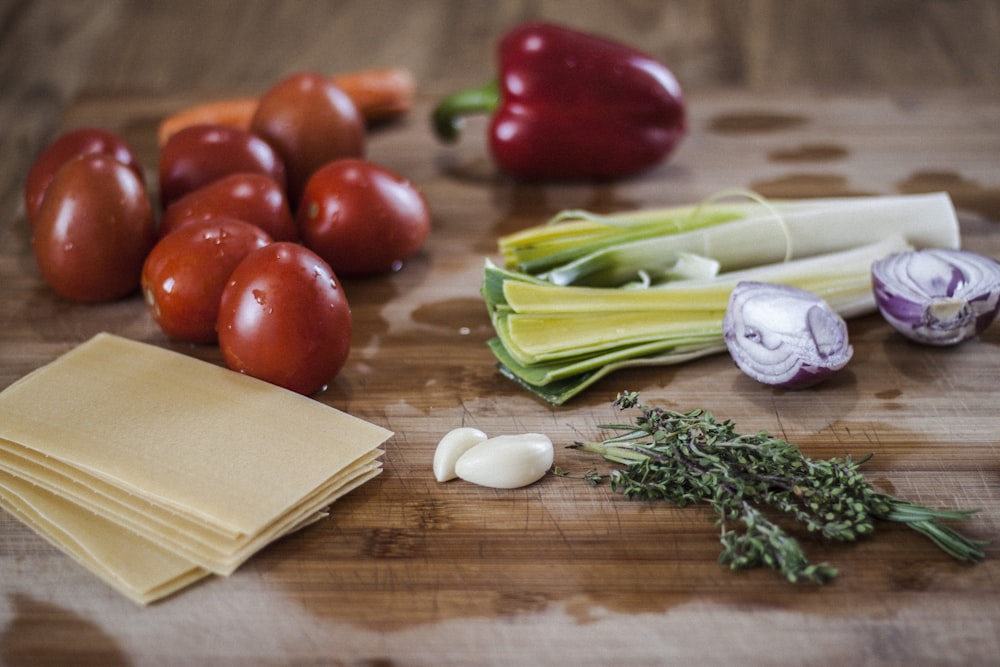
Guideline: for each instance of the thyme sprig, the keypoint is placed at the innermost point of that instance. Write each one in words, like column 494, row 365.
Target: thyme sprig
column 691, row 457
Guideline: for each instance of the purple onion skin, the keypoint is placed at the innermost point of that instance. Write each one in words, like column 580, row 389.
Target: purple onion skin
column 937, row 296
column 784, row 336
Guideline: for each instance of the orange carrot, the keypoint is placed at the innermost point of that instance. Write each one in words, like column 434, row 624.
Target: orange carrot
column 236, row 112
column 379, row 94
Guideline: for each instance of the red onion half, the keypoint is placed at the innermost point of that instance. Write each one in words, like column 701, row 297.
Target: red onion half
column 937, row 296
column 784, row 336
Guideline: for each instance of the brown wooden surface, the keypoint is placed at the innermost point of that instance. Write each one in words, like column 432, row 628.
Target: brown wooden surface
column 410, row 572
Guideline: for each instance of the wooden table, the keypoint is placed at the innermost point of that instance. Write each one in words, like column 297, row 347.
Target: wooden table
column 407, row 571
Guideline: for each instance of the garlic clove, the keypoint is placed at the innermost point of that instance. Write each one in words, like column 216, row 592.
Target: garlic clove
column 507, row 461
column 452, row 445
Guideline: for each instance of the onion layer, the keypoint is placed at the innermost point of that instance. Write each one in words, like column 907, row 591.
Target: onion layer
column 784, row 336
column 937, row 296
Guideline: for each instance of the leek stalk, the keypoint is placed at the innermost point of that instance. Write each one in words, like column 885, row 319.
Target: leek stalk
column 556, row 339
column 737, row 235
column 571, row 235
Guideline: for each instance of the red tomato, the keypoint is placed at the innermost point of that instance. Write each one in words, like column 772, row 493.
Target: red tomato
column 310, row 122
column 284, row 318
column 200, row 154
column 185, row 273
column 94, row 229
column 362, row 218
column 69, row 145
column 253, row 198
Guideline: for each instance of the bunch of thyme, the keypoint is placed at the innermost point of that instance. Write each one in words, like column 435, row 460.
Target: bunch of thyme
column 690, row 457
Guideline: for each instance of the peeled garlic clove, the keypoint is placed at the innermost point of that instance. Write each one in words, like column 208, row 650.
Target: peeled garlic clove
column 507, row 461
column 454, row 443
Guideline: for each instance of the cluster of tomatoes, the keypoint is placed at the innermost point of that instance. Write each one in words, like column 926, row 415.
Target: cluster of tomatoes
column 254, row 228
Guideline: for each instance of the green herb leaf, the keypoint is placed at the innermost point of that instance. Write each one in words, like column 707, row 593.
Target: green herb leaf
column 691, row 457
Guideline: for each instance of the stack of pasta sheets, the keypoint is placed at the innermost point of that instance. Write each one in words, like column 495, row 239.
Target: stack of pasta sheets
column 154, row 469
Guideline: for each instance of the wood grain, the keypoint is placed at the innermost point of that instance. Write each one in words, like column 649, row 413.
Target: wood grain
column 407, row 571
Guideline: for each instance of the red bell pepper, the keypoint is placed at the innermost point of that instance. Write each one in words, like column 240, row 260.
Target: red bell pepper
column 572, row 106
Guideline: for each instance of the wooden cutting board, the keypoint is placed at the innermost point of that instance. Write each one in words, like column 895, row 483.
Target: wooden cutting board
column 409, row 571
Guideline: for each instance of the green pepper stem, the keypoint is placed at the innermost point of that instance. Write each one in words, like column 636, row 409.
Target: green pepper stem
column 448, row 114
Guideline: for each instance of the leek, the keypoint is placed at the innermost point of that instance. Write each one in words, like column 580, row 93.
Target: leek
column 556, row 337
column 573, row 234
column 737, row 235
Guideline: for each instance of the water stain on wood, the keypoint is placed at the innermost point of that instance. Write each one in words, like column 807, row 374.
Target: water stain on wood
column 393, row 543
column 884, row 484
column 464, row 315
column 809, row 153
column 426, row 515
column 888, row 394
column 966, row 193
column 512, row 603
column 807, row 185
column 918, row 577
column 42, row 633
column 754, row 122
